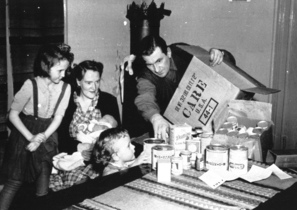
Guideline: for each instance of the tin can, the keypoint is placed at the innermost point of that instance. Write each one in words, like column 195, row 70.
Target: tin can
column 233, row 121
column 177, row 165
column 186, row 155
column 263, row 124
column 161, row 152
column 238, row 159
column 216, row 157
column 199, row 162
column 194, row 146
column 205, row 139
column 178, row 136
column 149, row 143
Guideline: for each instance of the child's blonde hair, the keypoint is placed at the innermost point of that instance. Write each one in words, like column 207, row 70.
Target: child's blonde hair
column 104, row 147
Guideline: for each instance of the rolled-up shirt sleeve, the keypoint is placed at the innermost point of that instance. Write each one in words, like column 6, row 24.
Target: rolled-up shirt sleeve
column 23, row 96
column 146, row 101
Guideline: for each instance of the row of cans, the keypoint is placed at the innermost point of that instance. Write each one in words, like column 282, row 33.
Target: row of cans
column 217, row 156
column 221, row 157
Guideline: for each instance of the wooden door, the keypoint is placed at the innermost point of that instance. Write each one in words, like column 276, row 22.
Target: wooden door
column 285, row 75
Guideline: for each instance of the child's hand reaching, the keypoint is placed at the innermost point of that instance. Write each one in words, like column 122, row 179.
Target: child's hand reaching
column 141, row 159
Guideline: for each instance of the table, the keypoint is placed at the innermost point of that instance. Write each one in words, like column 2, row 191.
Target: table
column 187, row 192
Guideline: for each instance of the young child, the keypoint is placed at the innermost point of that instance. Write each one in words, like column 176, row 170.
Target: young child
column 114, row 152
column 111, row 153
column 36, row 112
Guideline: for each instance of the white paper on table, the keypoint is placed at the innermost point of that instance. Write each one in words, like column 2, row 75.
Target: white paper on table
column 212, row 179
column 227, row 175
column 278, row 172
column 256, row 173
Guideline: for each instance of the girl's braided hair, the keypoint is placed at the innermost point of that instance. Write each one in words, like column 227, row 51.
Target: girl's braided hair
column 104, row 147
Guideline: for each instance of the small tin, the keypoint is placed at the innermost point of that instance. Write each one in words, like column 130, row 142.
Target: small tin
column 205, row 139
column 149, row 143
column 161, row 152
column 186, row 155
column 199, row 162
column 216, row 157
column 194, row 146
column 222, row 131
column 263, row 124
column 238, row 159
column 177, row 165
column 227, row 125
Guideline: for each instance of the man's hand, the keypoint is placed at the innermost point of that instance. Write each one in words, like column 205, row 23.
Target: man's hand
column 129, row 60
column 161, row 127
column 216, row 57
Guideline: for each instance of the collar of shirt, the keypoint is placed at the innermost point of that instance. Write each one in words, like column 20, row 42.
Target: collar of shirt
column 43, row 87
column 172, row 71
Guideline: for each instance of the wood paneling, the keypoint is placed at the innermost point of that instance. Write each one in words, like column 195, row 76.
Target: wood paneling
column 285, row 76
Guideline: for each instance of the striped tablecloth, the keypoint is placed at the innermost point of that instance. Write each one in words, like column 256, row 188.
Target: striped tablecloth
column 186, row 191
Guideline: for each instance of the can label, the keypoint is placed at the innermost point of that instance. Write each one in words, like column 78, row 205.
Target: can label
column 194, row 146
column 148, row 144
column 161, row 152
column 216, row 157
column 238, row 159
column 186, row 155
column 177, row 165
column 179, row 134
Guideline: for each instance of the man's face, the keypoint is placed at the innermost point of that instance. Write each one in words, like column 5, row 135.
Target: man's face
column 157, row 62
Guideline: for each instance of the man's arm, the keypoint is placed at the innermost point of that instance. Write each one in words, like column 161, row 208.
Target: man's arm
column 146, row 101
column 147, row 104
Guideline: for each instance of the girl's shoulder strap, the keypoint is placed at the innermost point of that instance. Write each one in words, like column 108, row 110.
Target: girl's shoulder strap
column 35, row 97
column 60, row 97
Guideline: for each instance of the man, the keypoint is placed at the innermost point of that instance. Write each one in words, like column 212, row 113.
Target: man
column 157, row 81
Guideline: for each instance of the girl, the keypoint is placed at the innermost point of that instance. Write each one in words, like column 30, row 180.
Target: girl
column 36, row 112
column 114, row 152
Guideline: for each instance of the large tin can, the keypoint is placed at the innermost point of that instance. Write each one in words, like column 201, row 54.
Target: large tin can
column 161, row 152
column 149, row 143
column 216, row 157
column 238, row 159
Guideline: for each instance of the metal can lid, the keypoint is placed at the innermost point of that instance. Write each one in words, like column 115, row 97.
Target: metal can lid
column 163, row 147
column 185, row 152
column 217, row 147
column 154, row 141
column 239, row 147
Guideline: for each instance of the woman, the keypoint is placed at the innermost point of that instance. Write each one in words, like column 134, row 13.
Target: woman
column 87, row 103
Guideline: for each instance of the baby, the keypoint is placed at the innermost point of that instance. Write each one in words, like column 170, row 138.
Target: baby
column 89, row 133
column 114, row 152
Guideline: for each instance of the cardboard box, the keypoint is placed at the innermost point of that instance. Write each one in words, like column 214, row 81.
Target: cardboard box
column 249, row 114
column 282, row 158
column 204, row 92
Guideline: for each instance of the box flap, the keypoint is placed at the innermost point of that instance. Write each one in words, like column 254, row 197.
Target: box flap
column 261, row 90
column 232, row 73
column 250, row 109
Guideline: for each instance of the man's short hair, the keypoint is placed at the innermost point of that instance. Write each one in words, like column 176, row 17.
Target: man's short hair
column 149, row 43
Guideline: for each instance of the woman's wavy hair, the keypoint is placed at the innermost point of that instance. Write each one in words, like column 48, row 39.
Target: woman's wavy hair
column 49, row 55
column 79, row 70
column 104, row 147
